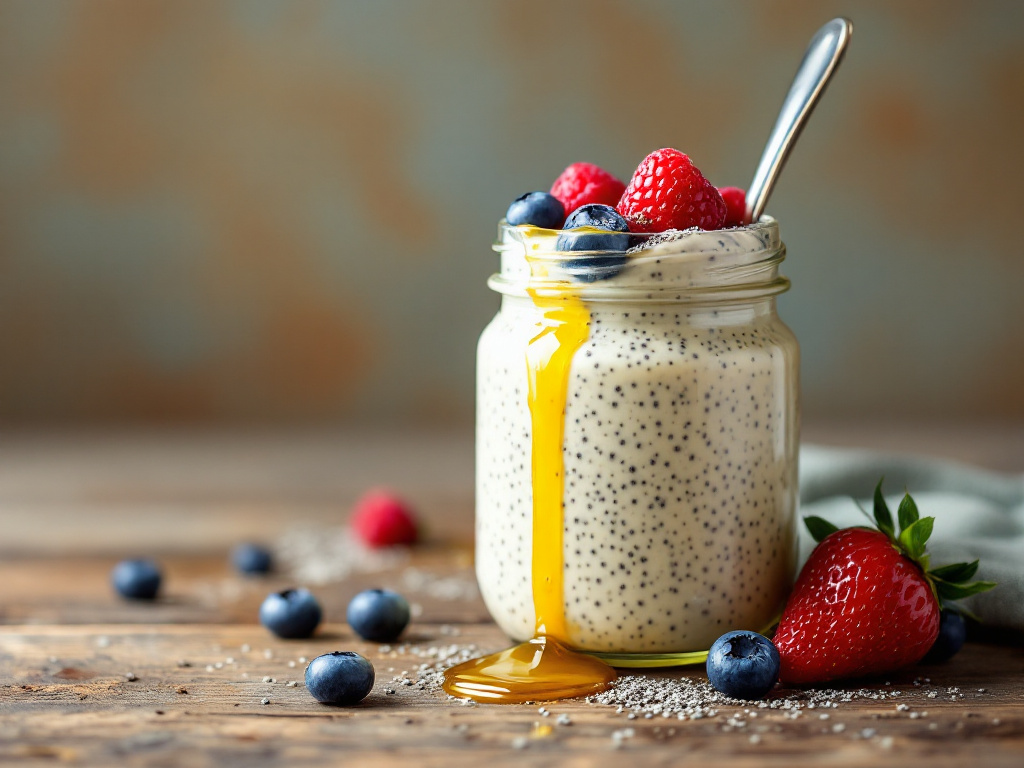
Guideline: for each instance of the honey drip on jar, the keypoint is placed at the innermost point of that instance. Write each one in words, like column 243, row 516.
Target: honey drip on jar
column 543, row 668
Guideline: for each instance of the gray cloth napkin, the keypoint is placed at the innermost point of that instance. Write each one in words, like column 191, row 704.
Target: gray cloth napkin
column 978, row 515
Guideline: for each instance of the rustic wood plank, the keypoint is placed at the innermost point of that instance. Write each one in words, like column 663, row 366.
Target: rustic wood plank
column 64, row 695
column 70, row 506
column 438, row 580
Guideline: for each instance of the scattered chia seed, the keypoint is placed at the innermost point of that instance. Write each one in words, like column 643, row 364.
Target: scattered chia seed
column 130, row 677
column 619, row 736
column 182, row 663
column 264, row 701
column 291, row 684
column 520, row 742
column 245, row 648
column 317, row 555
column 268, row 679
column 563, row 719
column 689, row 699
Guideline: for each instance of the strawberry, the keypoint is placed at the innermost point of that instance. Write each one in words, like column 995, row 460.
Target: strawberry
column 668, row 192
column 866, row 602
column 380, row 519
column 584, row 184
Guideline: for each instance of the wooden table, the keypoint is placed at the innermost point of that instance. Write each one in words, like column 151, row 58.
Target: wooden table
column 86, row 678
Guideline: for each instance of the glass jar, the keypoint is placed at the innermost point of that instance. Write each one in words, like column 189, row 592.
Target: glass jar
column 637, row 439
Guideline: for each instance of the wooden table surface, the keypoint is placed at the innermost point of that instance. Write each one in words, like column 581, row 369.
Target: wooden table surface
column 86, row 678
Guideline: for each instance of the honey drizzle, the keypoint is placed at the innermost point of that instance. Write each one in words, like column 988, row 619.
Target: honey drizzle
column 566, row 326
column 543, row 668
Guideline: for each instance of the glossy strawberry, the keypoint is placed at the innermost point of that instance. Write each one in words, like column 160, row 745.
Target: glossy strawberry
column 865, row 602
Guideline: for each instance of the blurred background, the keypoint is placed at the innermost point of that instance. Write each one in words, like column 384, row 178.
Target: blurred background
column 266, row 213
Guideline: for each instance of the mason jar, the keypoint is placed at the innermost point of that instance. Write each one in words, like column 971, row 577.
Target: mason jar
column 636, row 442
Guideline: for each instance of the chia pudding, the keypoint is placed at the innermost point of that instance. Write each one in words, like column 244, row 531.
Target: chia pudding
column 678, row 450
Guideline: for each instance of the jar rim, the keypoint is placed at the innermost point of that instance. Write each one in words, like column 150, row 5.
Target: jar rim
column 733, row 264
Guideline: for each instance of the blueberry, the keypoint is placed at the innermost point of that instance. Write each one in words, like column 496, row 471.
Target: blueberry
column 342, row 678
column 744, row 665
column 292, row 613
column 137, row 579
column 537, row 208
column 379, row 615
column 252, row 558
column 610, row 247
column 952, row 633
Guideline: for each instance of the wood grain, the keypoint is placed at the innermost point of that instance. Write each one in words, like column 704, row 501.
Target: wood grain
column 65, row 695
column 67, row 644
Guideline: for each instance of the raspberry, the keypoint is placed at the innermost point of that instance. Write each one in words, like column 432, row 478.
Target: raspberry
column 585, row 183
column 380, row 519
column 735, row 204
column 668, row 192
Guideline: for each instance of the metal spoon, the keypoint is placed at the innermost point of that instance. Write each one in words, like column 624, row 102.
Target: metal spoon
column 819, row 63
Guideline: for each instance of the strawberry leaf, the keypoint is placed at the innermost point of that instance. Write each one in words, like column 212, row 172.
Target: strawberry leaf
column 956, row 573
column 907, row 512
column 819, row 527
column 949, row 591
column 913, row 537
column 883, row 517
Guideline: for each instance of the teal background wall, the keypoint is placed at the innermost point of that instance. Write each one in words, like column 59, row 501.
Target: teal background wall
column 247, row 212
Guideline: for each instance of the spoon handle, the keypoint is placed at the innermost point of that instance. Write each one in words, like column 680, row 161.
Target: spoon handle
column 820, row 61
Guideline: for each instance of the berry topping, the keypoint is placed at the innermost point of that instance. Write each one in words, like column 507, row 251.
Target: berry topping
column 735, row 206
column 292, row 613
column 380, row 519
column 537, row 208
column 252, row 558
column 611, row 243
column 379, row 615
column 866, row 602
column 341, row 678
column 136, row 579
column 668, row 192
column 952, row 634
column 744, row 665
column 585, row 183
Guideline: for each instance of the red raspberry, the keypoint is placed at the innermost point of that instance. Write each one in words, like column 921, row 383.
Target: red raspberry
column 380, row 519
column 668, row 192
column 585, row 183
column 735, row 204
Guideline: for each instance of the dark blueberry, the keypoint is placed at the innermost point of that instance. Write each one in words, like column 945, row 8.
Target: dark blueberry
column 137, row 579
column 744, row 665
column 537, row 208
column 952, row 634
column 292, row 613
column 341, row 678
column 252, row 558
column 609, row 247
column 379, row 615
